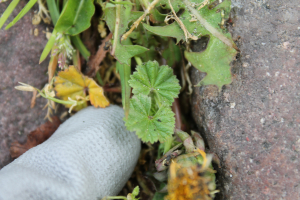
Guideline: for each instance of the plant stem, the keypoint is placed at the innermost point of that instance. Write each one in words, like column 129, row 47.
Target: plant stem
column 54, row 99
column 115, row 197
column 125, row 71
column 80, row 46
column 138, row 21
column 138, row 60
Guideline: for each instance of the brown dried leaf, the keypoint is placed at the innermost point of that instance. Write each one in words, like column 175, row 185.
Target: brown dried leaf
column 35, row 138
column 100, row 55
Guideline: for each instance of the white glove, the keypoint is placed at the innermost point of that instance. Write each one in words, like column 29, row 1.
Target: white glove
column 90, row 156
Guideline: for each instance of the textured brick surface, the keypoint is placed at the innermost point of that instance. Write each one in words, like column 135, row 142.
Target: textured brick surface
column 253, row 123
column 19, row 56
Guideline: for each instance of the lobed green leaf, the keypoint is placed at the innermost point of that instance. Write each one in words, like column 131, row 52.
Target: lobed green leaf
column 147, row 127
column 159, row 81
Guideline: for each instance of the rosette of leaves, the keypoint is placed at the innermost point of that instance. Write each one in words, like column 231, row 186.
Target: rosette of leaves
column 150, row 114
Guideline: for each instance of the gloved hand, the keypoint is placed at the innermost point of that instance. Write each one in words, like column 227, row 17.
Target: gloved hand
column 90, row 156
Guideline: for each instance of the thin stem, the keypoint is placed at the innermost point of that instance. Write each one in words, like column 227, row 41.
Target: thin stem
column 80, row 46
column 138, row 60
column 115, row 197
column 54, row 99
column 141, row 18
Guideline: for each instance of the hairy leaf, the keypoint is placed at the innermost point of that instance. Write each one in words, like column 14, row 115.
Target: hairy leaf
column 159, row 81
column 75, row 17
column 149, row 128
column 214, row 61
column 71, row 83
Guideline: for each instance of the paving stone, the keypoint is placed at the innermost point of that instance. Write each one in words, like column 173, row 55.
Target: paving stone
column 253, row 124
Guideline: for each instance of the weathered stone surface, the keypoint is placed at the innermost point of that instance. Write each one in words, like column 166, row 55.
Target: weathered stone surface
column 19, row 62
column 253, row 124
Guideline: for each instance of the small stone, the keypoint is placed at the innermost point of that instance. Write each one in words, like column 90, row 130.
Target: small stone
column 36, row 19
column 36, row 32
column 232, row 105
column 245, row 64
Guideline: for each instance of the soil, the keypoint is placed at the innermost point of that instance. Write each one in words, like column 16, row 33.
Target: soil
column 253, row 123
column 20, row 50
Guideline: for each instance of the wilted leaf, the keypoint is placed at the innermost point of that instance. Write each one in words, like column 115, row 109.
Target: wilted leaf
column 35, row 137
column 149, row 128
column 214, row 61
column 152, row 79
column 71, row 83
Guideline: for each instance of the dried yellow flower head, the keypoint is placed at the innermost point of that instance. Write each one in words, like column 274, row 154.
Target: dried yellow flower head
column 191, row 182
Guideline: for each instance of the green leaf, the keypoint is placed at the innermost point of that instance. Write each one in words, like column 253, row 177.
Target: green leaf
column 22, row 13
column 48, row 46
column 75, row 17
column 117, row 18
column 134, row 193
column 197, row 22
column 214, row 61
column 172, row 30
column 159, row 81
column 8, row 11
column 209, row 21
column 147, row 127
column 156, row 16
column 159, row 196
column 53, row 10
column 124, row 52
